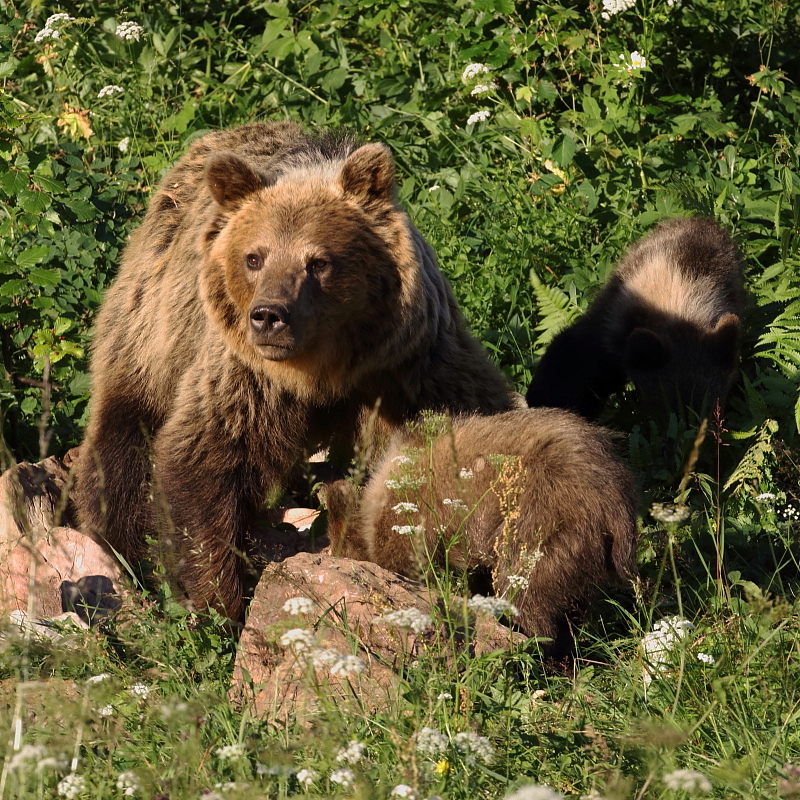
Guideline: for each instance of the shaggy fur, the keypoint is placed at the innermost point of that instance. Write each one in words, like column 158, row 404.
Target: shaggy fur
column 559, row 508
column 274, row 293
column 668, row 319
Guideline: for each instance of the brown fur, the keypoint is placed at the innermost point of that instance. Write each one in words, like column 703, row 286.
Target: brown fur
column 668, row 319
column 273, row 294
column 560, row 490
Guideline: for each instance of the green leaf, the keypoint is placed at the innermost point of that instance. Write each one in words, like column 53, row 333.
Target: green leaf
column 32, row 256
column 33, row 202
column 15, row 286
column 44, row 277
column 14, row 181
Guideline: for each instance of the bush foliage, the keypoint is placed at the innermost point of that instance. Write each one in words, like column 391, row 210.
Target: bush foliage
column 529, row 174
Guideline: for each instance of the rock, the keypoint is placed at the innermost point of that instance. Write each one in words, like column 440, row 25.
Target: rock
column 46, row 569
column 348, row 598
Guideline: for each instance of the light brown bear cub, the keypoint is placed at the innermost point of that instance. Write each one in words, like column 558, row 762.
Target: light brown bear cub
column 539, row 494
column 273, row 294
column 668, row 319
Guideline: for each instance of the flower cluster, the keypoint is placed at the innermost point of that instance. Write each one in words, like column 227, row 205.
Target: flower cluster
column 408, row 530
column 231, row 752
column 483, row 88
column 668, row 513
column 473, row 746
column 71, row 787
column 347, row 665
column 298, row 639
column 613, row 7
column 50, row 31
column 687, row 780
column 658, row 643
column 518, row 583
column 637, row 61
column 129, row 31
column 128, row 783
column 408, row 618
column 139, row 691
column 466, row 474
column 706, row 658
column 471, row 71
column 298, row 605
column 344, row 777
column 456, row 505
column 306, row 777
column 789, row 514
column 405, row 508
column 494, row 606
column 403, row 482
column 404, row 790
column 430, row 742
column 351, row 754
column 109, row 91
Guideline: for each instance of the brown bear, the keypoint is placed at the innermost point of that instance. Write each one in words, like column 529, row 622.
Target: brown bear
column 537, row 496
column 667, row 319
column 275, row 293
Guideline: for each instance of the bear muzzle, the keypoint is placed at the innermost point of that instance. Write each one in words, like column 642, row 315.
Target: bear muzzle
column 270, row 330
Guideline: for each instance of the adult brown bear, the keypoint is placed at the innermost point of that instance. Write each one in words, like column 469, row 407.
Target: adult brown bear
column 536, row 496
column 273, row 294
column 668, row 319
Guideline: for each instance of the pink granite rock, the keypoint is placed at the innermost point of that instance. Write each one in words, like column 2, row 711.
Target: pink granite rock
column 349, row 598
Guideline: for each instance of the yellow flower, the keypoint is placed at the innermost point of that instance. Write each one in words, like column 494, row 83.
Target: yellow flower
column 442, row 767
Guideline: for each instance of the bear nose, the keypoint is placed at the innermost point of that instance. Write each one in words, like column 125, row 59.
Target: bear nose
column 269, row 319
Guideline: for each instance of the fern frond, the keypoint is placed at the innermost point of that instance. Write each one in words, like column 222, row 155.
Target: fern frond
column 751, row 467
column 556, row 310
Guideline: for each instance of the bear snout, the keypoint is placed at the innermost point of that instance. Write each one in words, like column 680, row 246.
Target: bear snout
column 269, row 319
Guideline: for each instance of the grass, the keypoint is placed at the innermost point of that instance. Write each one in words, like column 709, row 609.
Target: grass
column 580, row 153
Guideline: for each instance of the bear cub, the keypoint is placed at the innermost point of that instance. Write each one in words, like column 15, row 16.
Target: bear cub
column 537, row 496
column 668, row 319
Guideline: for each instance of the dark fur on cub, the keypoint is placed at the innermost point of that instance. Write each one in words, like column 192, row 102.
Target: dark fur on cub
column 667, row 319
column 274, row 292
column 560, row 492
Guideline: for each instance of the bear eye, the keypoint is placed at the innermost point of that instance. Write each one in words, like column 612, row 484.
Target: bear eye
column 316, row 266
column 253, row 261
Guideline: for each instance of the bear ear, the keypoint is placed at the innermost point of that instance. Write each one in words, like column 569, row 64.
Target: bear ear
column 723, row 340
column 230, row 180
column 368, row 174
column 645, row 350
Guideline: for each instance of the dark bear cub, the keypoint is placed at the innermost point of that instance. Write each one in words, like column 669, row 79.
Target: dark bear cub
column 536, row 496
column 274, row 293
column 668, row 319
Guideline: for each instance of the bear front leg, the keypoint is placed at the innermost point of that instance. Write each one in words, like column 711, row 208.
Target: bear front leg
column 216, row 458
column 111, row 476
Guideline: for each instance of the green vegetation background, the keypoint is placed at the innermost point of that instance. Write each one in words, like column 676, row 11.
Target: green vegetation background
column 597, row 124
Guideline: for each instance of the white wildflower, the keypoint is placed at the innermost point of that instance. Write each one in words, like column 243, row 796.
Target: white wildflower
column 124, row 144
column 408, row 618
column 472, row 745
column 518, row 582
column 28, row 752
column 50, row 31
column 534, row 792
column 405, row 508
column 478, row 116
column 347, row 665
column 129, row 31
column 128, row 783
column 404, row 790
column 323, row 657
column 434, row 187
column 71, row 787
column 344, row 777
column 298, row 639
column 408, row 530
column 109, row 91
column 635, row 60
column 466, row 474
column 494, row 606
column 53, row 763
column 658, row 643
column 444, row 696
column 687, row 780
column 400, row 482
column 673, row 3
column 401, row 459
column 430, row 742
column 473, row 70
column 139, row 691
column 46, row 33
column 483, row 88
column 351, row 754
column 57, row 19
column 456, row 505
column 305, row 777
column 106, row 711
column 706, row 658
column 669, row 513
column 298, row 605
column 98, row 678
column 638, row 61
column 612, row 7
column 765, row 497
column 231, row 752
